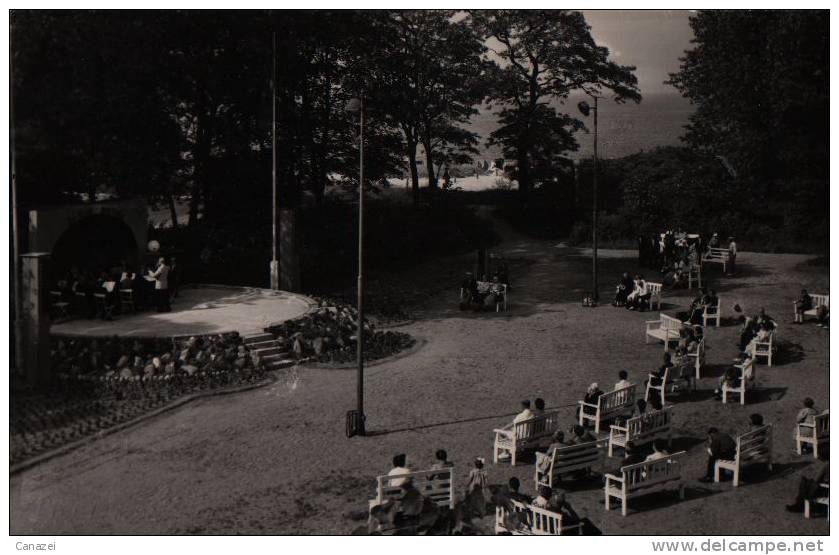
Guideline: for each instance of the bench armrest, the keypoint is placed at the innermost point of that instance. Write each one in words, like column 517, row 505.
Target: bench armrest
column 584, row 404
column 618, row 428
column 504, row 432
column 806, row 425
column 648, row 322
column 613, row 477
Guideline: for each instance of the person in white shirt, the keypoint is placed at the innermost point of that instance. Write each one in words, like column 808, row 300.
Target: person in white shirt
column 525, row 414
column 399, row 468
column 732, row 255
column 636, row 299
column 659, row 450
column 623, row 380
column 161, row 285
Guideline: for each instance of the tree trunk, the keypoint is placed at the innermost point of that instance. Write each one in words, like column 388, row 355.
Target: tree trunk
column 412, row 167
column 173, row 211
column 429, row 161
column 523, row 171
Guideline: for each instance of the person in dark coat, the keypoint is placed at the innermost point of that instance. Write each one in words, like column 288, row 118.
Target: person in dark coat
column 720, row 446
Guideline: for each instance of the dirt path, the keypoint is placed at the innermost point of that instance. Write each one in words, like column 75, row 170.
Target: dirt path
column 276, row 460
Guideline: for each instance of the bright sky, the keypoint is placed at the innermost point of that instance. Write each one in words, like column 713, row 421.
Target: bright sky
column 651, row 40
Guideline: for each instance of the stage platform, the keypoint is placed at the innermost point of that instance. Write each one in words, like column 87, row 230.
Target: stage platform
column 199, row 310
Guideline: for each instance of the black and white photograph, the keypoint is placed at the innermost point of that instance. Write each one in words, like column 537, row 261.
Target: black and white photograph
column 406, row 271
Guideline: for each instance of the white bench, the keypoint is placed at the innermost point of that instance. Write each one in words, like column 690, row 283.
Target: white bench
column 825, row 500
column 752, row 448
column 566, row 459
column 436, row 484
column 524, row 435
column 747, row 379
column 485, row 287
column 717, row 255
column 532, row 521
column 818, row 300
column 655, row 294
column 643, row 478
column 712, row 314
column 665, row 329
column 695, row 274
column 609, row 405
column 699, row 357
column 765, row 348
column 813, row 433
column 641, row 429
column 666, row 385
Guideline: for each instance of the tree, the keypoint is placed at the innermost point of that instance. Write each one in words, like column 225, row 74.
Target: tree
column 544, row 56
column 760, row 83
column 425, row 70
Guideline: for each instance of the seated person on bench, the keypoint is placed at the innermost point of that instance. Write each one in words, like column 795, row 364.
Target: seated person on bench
column 399, row 467
column 592, row 394
column 556, row 503
column 808, row 488
column 557, row 442
column 640, row 294
column 805, row 416
column 763, row 333
column 470, row 290
column 720, row 446
column 658, row 375
column 802, row 304
column 495, row 293
column 731, row 378
column 697, row 306
column 623, row 289
column 659, row 450
column 580, row 435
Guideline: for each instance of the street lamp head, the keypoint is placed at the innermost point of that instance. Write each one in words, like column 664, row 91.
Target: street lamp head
column 353, row 105
column 584, row 108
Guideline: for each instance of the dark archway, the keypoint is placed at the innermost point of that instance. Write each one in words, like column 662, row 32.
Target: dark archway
column 94, row 244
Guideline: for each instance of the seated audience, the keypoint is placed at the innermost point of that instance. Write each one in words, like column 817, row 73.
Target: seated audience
column 525, row 414
column 640, row 295
column 623, row 289
column 808, row 488
column 580, row 435
column 538, row 407
column 513, row 491
column 592, row 394
column 622, row 380
column 659, row 450
column 720, row 446
column 399, row 467
column 805, row 416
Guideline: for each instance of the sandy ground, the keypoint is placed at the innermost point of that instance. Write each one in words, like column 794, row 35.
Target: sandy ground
column 276, row 460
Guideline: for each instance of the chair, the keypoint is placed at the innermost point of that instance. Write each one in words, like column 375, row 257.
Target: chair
column 126, row 297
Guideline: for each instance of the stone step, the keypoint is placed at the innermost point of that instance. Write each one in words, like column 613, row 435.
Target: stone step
column 262, row 353
column 262, row 345
column 280, row 364
column 258, row 338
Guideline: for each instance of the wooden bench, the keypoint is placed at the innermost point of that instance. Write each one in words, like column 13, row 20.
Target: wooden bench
column 485, row 287
column 437, row 484
column 825, row 500
column 753, row 447
column 655, row 294
column 567, row 459
column 665, row 329
column 641, row 429
column 717, row 255
column 695, row 275
column 608, row 406
column 818, row 300
column 666, row 385
column 814, row 433
column 524, row 436
column 532, row 521
column 643, row 478
column 765, row 348
column 712, row 314
column 746, row 380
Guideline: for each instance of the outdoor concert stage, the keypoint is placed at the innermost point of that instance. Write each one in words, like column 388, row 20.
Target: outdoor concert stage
column 199, row 310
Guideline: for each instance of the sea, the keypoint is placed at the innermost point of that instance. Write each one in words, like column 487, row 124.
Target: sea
column 622, row 129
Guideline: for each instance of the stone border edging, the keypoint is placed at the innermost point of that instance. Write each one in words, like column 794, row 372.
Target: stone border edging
column 419, row 343
column 68, row 447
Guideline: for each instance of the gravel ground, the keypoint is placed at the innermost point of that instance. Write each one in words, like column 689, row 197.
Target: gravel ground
column 276, row 460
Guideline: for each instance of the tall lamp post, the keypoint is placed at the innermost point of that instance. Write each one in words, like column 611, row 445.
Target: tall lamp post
column 356, row 422
column 586, row 109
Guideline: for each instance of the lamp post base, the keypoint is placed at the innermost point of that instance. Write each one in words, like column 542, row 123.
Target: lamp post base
column 355, row 423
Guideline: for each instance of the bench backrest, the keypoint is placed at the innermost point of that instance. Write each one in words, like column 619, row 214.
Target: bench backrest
column 616, row 400
column 648, row 473
column 748, row 371
column 654, row 288
column 435, row 483
column 484, row 286
column 755, row 446
column 533, row 520
column 700, row 353
column 820, row 300
column 821, row 424
column 713, row 308
column 651, row 422
column 574, row 456
column 544, row 424
column 670, row 323
column 715, row 252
